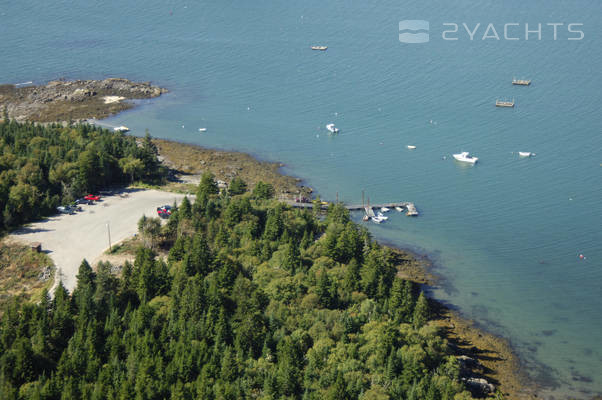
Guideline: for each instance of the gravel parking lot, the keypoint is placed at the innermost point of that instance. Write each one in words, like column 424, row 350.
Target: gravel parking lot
column 70, row 238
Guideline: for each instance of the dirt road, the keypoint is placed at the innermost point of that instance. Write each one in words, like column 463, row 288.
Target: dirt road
column 71, row 238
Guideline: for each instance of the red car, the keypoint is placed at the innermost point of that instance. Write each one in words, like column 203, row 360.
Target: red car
column 92, row 197
column 164, row 211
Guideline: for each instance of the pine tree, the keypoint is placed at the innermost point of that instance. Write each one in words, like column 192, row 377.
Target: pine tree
column 237, row 187
column 421, row 312
column 207, row 185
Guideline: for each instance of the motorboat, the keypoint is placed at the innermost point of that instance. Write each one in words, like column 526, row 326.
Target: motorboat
column 400, row 209
column 525, row 154
column 121, row 128
column 377, row 220
column 385, row 209
column 465, row 157
column 320, row 48
column 202, row 129
column 409, row 146
column 332, row 129
column 382, row 216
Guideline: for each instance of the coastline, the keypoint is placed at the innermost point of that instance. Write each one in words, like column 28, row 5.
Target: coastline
column 486, row 355
column 495, row 360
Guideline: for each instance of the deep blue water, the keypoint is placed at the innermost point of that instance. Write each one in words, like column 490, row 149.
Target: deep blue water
column 505, row 234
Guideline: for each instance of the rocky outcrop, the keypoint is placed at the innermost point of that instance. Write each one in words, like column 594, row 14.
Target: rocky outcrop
column 63, row 100
column 480, row 385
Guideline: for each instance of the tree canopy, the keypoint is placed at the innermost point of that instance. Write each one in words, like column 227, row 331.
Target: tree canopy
column 255, row 300
column 42, row 167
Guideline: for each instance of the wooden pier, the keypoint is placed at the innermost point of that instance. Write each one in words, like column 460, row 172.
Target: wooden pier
column 410, row 208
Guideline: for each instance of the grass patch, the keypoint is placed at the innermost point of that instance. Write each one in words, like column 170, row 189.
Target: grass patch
column 24, row 273
column 127, row 246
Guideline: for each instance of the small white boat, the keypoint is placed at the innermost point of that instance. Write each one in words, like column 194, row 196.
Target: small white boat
column 332, row 129
column 385, row 209
column 465, row 157
column 121, row 129
column 525, row 154
column 202, row 129
column 400, row 209
column 378, row 220
column 381, row 216
column 409, row 146
column 320, row 48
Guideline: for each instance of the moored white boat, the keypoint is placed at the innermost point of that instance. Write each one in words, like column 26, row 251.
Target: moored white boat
column 377, row 219
column 380, row 215
column 400, row 209
column 121, row 128
column 465, row 157
column 332, row 129
column 385, row 209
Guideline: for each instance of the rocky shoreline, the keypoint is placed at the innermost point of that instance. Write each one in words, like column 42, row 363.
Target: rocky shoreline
column 488, row 363
column 64, row 101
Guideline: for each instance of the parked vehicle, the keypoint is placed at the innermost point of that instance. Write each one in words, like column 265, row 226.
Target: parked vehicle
column 164, row 211
column 84, row 201
column 65, row 210
column 92, row 197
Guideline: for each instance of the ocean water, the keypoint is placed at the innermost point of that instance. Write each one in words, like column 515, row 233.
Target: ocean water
column 505, row 234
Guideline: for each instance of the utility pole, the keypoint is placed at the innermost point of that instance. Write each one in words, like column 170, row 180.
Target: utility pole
column 109, row 232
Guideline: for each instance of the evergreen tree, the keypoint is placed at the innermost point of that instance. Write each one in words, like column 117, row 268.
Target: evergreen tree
column 421, row 311
column 207, row 185
column 237, row 186
column 263, row 191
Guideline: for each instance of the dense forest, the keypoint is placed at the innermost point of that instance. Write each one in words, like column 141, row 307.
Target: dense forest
column 236, row 296
column 42, row 167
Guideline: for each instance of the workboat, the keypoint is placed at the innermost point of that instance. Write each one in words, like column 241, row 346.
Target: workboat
column 465, row 157
column 521, row 82
column 121, row 129
column 320, row 48
column 384, row 209
column 504, row 103
column 525, row 154
column 332, row 129
column 409, row 146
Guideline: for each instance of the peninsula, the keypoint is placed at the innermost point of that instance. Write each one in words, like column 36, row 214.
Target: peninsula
column 78, row 100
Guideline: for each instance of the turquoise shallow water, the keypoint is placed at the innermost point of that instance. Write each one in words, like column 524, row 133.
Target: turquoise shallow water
column 504, row 234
